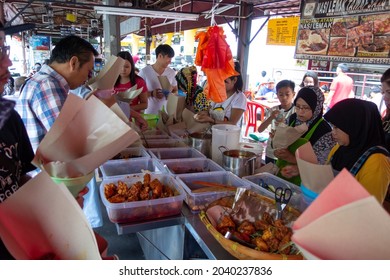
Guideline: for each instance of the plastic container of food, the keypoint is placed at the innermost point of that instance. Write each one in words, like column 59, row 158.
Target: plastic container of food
column 162, row 143
column 135, row 211
column 193, row 183
column 190, row 165
column 154, row 134
column 174, row 153
column 121, row 167
column 269, row 183
column 132, row 153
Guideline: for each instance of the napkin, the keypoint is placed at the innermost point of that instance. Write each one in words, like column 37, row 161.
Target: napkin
column 43, row 220
column 344, row 222
column 86, row 134
column 287, row 135
column 314, row 176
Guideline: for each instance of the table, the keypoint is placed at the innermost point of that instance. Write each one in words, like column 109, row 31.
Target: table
column 268, row 103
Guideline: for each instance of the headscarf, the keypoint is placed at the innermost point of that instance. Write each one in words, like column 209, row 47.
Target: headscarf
column 362, row 122
column 321, row 140
column 186, row 81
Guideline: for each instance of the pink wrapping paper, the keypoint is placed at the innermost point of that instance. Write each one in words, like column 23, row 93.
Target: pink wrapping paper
column 43, row 220
column 344, row 222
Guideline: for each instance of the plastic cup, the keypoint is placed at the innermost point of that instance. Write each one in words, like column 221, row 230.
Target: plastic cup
column 75, row 185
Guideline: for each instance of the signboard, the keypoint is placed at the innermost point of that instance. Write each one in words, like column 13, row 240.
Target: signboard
column 360, row 35
column 282, row 31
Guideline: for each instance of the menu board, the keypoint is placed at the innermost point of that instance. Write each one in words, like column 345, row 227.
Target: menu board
column 360, row 35
column 282, row 31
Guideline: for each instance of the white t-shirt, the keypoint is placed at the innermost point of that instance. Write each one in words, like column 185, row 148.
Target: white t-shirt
column 237, row 100
column 151, row 78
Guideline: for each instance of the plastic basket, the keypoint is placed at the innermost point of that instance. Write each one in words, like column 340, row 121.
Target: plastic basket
column 151, row 119
column 242, row 252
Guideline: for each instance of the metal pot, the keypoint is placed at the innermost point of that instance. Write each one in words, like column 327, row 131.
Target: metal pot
column 201, row 142
column 240, row 162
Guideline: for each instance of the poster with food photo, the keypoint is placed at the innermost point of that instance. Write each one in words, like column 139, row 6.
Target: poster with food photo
column 313, row 40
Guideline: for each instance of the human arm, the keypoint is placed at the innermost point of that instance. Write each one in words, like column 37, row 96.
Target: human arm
column 139, row 120
column 268, row 121
column 143, row 102
column 286, row 155
column 204, row 117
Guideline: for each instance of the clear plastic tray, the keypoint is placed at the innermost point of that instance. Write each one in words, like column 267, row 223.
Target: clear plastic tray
column 120, row 167
column 199, row 201
column 136, row 211
column 132, row 153
column 190, row 165
column 175, row 153
column 258, row 181
column 163, row 143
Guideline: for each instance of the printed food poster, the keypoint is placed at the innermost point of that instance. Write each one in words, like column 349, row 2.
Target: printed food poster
column 340, row 32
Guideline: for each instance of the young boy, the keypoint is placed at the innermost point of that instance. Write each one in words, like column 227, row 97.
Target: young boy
column 285, row 93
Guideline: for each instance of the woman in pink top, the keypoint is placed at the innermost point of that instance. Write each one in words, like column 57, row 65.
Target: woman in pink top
column 127, row 79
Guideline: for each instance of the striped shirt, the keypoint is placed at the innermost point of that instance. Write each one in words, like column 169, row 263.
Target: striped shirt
column 41, row 101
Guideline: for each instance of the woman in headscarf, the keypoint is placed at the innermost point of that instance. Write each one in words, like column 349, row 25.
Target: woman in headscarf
column 196, row 100
column 308, row 109
column 357, row 128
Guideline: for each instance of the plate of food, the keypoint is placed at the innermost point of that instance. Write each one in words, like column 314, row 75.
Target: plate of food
column 313, row 41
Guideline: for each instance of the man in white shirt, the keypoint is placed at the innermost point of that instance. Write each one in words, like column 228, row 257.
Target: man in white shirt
column 150, row 73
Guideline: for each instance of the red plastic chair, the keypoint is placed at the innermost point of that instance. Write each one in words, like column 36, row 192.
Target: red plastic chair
column 251, row 115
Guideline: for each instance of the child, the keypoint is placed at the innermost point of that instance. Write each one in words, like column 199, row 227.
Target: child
column 285, row 93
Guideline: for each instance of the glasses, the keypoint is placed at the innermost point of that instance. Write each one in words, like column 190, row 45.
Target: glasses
column 303, row 109
column 4, row 51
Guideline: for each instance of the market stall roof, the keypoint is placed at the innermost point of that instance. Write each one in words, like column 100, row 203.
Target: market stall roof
column 63, row 17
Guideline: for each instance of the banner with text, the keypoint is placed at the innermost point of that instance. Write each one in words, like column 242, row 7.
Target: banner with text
column 360, row 35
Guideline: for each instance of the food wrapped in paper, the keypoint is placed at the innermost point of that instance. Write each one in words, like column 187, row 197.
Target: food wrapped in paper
column 287, row 135
column 344, row 222
column 86, row 134
column 314, row 176
column 129, row 94
column 43, row 221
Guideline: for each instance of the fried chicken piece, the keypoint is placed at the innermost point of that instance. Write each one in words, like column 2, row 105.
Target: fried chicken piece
column 260, row 244
column 167, row 192
column 134, row 191
column 261, row 225
column 283, row 245
column 273, row 244
column 225, row 224
column 144, row 194
column 246, row 227
column 117, row 199
column 157, row 188
column 268, row 234
column 147, row 179
column 109, row 190
column 122, row 188
column 268, row 218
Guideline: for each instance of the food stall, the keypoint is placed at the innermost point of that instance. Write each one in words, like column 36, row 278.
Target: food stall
column 176, row 227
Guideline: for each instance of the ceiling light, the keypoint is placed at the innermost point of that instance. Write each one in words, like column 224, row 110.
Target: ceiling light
column 109, row 10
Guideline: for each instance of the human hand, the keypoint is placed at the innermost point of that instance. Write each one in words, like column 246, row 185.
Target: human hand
column 203, row 117
column 290, row 171
column 141, row 123
column 80, row 196
column 285, row 154
column 158, row 93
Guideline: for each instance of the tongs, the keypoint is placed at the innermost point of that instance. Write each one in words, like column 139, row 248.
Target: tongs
column 282, row 197
column 229, row 235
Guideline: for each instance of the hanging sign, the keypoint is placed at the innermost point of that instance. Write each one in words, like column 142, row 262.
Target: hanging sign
column 348, row 31
column 282, row 31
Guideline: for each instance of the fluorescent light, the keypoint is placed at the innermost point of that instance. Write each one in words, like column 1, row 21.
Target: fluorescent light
column 119, row 11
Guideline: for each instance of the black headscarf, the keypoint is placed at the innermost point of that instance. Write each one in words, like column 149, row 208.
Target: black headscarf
column 361, row 121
